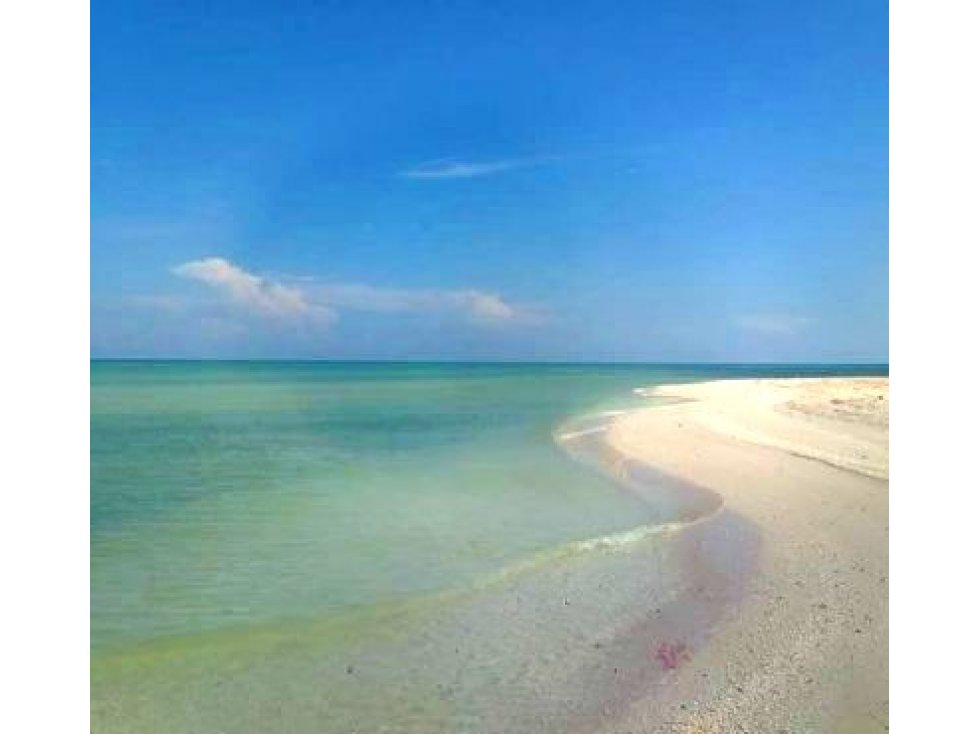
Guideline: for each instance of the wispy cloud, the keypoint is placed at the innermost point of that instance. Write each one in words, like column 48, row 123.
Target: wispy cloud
column 254, row 293
column 479, row 306
column 774, row 324
column 312, row 302
column 449, row 168
column 453, row 168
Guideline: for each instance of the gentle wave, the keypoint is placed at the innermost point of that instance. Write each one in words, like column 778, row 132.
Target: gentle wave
column 583, row 438
column 578, row 434
column 695, row 504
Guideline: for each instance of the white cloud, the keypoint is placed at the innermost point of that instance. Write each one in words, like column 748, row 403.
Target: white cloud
column 310, row 301
column 456, row 169
column 488, row 306
column 479, row 306
column 774, row 324
column 253, row 293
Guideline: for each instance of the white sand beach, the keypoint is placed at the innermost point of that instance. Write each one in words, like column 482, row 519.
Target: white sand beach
column 806, row 462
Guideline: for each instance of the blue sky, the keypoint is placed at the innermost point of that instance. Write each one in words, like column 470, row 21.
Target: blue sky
column 676, row 181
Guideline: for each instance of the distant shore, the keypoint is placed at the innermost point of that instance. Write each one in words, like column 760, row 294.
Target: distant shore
column 806, row 462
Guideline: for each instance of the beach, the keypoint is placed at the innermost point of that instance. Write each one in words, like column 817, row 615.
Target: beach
column 484, row 548
column 805, row 462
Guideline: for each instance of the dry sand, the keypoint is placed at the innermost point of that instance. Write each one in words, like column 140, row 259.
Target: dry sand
column 805, row 461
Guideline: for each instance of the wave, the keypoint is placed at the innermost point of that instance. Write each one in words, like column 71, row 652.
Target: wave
column 584, row 439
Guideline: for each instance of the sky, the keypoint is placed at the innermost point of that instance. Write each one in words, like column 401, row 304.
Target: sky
column 597, row 181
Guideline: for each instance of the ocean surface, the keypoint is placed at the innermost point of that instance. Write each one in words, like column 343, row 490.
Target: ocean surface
column 256, row 523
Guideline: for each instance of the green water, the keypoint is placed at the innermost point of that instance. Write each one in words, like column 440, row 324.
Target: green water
column 225, row 495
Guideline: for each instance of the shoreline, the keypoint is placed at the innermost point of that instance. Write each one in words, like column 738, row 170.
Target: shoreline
column 581, row 624
column 804, row 461
column 659, row 628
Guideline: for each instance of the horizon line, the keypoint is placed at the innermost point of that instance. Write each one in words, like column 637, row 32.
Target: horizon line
column 328, row 360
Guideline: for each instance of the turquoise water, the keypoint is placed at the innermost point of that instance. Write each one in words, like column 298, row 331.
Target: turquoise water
column 231, row 494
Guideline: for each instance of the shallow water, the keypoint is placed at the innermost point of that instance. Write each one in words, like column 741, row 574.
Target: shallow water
column 289, row 544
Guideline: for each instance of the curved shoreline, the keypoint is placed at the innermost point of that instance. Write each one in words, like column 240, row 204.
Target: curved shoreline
column 695, row 623
column 805, row 462
column 698, row 505
column 513, row 652
column 688, row 502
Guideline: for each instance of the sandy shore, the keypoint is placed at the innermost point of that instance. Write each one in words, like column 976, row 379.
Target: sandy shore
column 805, row 461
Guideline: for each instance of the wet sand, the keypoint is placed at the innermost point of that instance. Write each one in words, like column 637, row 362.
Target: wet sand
column 805, row 462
